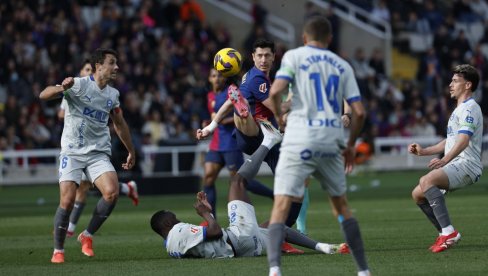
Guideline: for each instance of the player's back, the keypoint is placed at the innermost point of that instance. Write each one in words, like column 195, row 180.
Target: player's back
column 320, row 80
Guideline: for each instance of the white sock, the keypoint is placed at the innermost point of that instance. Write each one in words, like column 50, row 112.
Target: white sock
column 323, row 247
column 268, row 142
column 124, row 188
column 71, row 227
column 58, row 250
column 364, row 273
column 447, row 230
column 274, row 271
column 86, row 234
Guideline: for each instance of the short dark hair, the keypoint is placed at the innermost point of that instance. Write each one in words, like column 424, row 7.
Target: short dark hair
column 263, row 43
column 158, row 220
column 318, row 28
column 100, row 54
column 86, row 61
column 469, row 73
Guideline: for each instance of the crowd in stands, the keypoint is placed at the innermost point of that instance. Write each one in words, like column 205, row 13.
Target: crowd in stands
column 421, row 106
column 166, row 49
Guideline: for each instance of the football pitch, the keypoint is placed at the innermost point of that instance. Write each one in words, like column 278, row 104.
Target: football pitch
column 395, row 232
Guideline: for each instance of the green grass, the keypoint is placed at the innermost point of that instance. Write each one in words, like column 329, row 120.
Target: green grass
column 396, row 234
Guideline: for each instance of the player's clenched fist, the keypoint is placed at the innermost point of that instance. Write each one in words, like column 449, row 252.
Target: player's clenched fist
column 68, row 83
column 414, row 149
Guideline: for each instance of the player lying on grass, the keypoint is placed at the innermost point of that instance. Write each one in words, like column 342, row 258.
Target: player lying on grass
column 243, row 238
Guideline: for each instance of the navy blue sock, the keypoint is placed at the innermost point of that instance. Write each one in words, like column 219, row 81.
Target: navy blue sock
column 294, row 212
column 211, row 197
column 259, row 188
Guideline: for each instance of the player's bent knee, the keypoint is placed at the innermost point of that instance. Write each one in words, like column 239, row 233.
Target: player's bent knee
column 111, row 197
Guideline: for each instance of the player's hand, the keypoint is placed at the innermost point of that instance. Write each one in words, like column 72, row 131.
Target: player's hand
column 282, row 122
column 349, row 153
column 436, row 163
column 415, row 149
column 203, row 134
column 346, row 121
column 68, row 83
column 131, row 161
column 201, row 208
column 202, row 197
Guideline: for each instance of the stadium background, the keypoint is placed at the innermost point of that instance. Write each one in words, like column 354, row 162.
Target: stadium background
column 166, row 49
column 165, row 56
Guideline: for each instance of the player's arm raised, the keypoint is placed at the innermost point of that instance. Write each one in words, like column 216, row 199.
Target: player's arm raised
column 55, row 91
column 208, row 130
column 214, row 231
column 273, row 102
column 122, row 130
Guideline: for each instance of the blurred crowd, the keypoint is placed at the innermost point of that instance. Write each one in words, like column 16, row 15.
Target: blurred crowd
column 166, row 49
column 455, row 31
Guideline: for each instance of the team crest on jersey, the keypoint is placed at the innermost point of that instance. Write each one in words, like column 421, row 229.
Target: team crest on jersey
column 194, row 229
column 263, row 88
column 109, row 104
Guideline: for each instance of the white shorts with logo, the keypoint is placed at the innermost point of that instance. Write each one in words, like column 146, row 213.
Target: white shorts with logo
column 72, row 166
column 295, row 165
column 244, row 231
column 460, row 174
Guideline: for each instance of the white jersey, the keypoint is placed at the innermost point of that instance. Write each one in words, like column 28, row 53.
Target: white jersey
column 467, row 118
column 320, row 80
column 63, row 105
column 188, row 240
column 86, row 118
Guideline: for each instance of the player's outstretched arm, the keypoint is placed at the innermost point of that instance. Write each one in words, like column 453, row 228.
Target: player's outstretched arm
column 438, row 148
column 55, row 91
column 122, row 130
column 205, row 132
column 214, row 231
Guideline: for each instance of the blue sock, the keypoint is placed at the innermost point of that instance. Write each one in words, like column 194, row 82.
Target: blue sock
column 259, row 188
column 302, row 217
column 211, row 197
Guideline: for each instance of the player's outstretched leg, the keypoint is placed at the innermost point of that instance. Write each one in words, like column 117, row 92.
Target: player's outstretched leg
column 271, row 137
column 240, row 105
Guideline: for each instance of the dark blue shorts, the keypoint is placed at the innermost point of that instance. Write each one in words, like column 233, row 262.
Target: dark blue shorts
column 249, row 144
column 231, row 159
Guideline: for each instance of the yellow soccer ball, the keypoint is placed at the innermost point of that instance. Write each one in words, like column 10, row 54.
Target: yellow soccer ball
column 228, row 62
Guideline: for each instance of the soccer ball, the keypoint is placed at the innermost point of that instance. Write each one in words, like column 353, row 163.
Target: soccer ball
column 228, row 62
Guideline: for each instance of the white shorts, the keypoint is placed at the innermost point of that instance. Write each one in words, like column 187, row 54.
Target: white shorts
column 243, row 229
column 72, row 167
column 459, row 174
column 295, row 166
